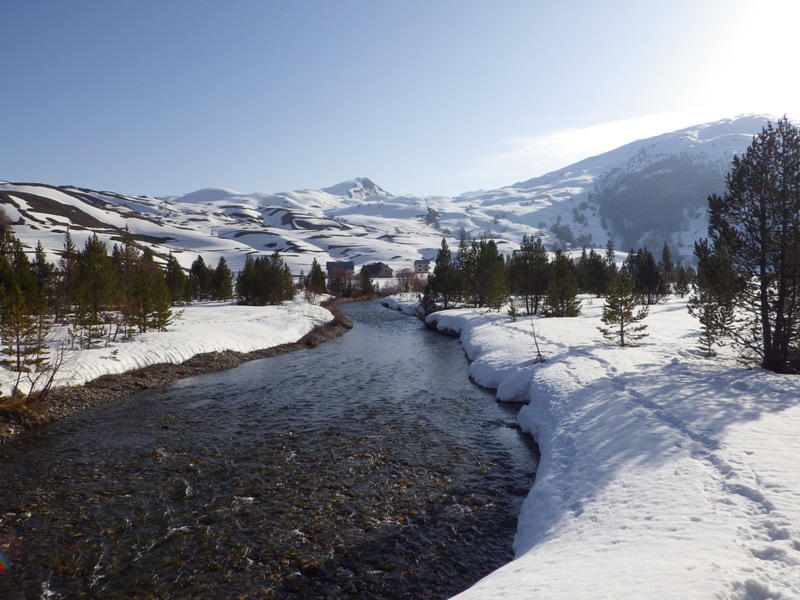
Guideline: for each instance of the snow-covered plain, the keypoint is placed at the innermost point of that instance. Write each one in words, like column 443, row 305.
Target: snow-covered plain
column 202, row 327
column 663, row 474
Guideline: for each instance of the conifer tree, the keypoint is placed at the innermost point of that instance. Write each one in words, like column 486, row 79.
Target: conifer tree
column 682, row 282
column 715, row 318
column 150, row 295
column 667, row 265
column 124, row 308
column 593, row 275
column 646, row 277
column 561, row 299
column 315, row 280
column 96, row 286
column 490, row 276
column 465, row 263
column 200, row 279
column 365, row 282
column 176, row 280
column 222, row 281
column 264, row 280
column 622, row 322
column 97, row 282
column 24, row 275
column 45, row 275
column 528, row 271
column 445, row 283
column 8, row 276
column 755, row 227
column 24, row 332
column 125, row 258
column 713, row 297
column 67, row 275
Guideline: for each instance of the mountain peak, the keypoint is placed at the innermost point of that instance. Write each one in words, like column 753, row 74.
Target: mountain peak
column 206, row 195
column 361, row 187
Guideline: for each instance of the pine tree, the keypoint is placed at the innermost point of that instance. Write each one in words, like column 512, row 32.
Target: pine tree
column 96, row 287
column 465, row 263
column 24, row 333
column 562, row 290
column 176, row 280
column 610, row 257
column 667, row 265
column 200, row 279
column 682, row 282
column 528, row 272
column 150, row 295
column 315, row 280
column 715, row 317
column 713, row 297
column 97, row 282
column 755, row 227
column 593, row 275
column 222, row 281
column 67, row 276
column 365, row 282
column 446, row 282
column 246, row 281
column 125, row 258
column 45, row 276
column 490, row 276
column 623, row 323
column 264, row 280
column 25, row 276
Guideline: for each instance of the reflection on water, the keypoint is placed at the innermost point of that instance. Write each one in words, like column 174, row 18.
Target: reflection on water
column 367, row 467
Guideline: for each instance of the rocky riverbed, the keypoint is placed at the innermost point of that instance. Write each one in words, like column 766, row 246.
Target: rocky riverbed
column 16, row 417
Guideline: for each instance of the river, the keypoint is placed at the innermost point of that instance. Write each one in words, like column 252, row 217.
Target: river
column 368, row 467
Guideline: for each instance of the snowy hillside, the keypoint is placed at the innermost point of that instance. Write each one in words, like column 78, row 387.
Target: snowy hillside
column 355, row 220
column 643, row 193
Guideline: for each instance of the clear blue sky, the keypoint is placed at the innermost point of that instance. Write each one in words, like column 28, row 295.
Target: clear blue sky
column 422, row 96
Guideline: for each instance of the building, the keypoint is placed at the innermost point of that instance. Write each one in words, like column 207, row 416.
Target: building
column 340, row 268
column 422, row 267
column 379, row 269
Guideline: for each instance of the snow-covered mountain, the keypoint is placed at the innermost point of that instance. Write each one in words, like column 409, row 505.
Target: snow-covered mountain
column 643, row 193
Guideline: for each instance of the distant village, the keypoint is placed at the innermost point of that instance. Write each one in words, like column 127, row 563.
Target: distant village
column 376, row 270
column 343, row 279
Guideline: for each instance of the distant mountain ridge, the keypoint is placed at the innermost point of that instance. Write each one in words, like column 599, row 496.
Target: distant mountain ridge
column 643, row 193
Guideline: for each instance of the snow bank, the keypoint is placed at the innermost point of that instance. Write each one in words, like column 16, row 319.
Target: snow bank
column 663, row 474
column 203, row 327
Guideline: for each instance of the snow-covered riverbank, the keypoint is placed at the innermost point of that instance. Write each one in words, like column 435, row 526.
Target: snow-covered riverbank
column 202, row 327
column 663, row 474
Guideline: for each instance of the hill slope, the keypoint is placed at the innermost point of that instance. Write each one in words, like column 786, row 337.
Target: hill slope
column 643, row 193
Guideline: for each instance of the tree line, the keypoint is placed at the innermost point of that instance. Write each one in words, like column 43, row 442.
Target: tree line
column 93, row 295
column 478, row 275
column 90, row 297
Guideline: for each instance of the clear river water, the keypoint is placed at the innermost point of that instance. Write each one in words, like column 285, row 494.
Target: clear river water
column 368, row 467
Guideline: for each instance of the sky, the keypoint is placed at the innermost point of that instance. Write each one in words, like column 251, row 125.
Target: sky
column 429, row 97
